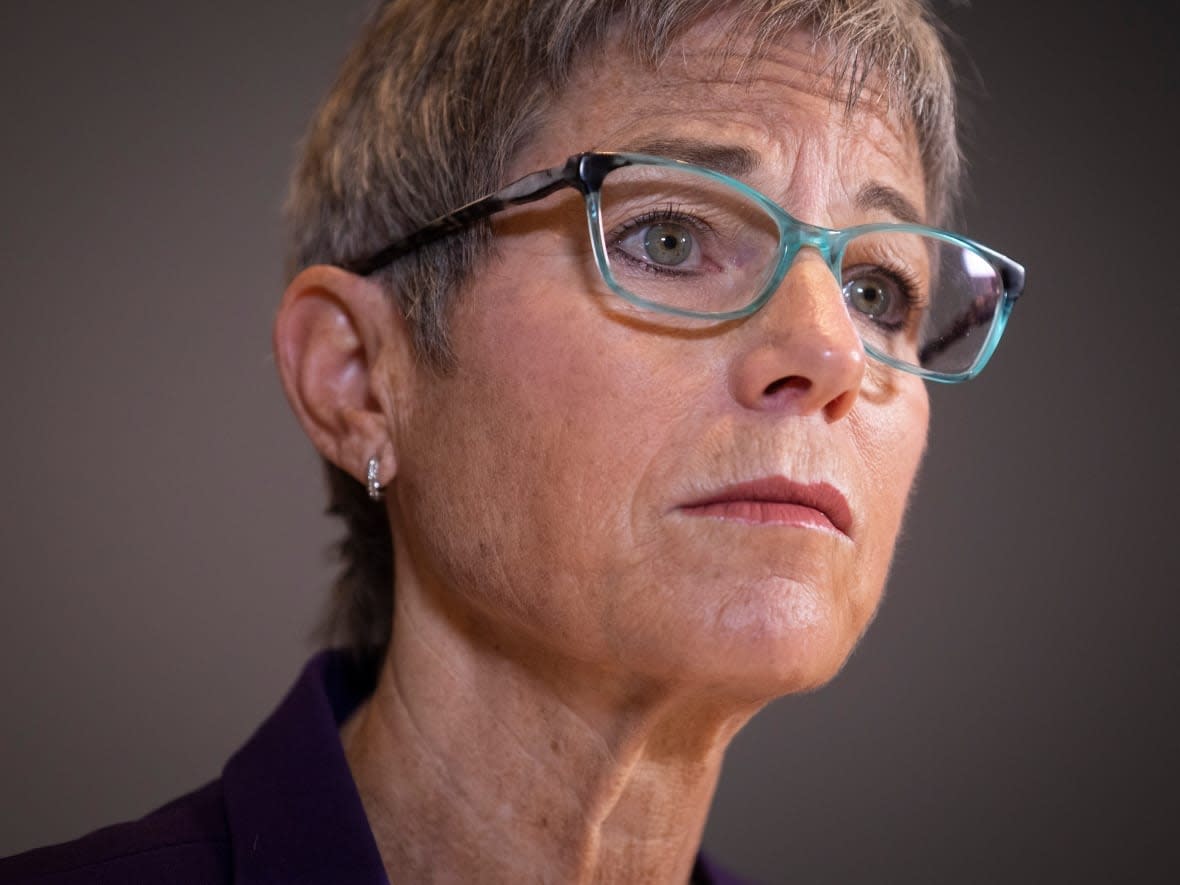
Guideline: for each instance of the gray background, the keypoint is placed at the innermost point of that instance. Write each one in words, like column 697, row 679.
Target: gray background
column 1010, row 717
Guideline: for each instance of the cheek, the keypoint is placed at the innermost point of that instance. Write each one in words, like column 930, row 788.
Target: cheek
column 521, row 468
column 891, row 439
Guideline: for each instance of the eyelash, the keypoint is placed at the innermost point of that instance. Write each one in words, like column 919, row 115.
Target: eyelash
column 908, row 285
column 672, row 212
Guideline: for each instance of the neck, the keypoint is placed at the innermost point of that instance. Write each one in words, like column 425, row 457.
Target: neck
column 473, row 764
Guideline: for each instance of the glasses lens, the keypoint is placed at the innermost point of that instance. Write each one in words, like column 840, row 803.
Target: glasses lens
column 681, row 241
column 921, row 300
column 684, row 241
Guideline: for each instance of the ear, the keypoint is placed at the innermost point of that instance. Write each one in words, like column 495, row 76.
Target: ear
column 343, row 352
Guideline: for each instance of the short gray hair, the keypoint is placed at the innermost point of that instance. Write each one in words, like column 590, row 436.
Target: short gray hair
column 436, row 99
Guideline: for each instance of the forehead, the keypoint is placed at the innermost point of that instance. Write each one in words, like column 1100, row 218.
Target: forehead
column 781, row 103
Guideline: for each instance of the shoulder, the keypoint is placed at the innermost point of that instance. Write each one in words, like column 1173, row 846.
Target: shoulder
column 185, row 842
column 708, row 872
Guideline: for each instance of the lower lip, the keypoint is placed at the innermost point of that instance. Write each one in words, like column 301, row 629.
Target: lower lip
column 764, row 513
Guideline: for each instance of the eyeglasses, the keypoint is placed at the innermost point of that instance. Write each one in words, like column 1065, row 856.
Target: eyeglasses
column 686, row 241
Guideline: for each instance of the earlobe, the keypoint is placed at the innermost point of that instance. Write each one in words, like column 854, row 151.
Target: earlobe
column 331, row 335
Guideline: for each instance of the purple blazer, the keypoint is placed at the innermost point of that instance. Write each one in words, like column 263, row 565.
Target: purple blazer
column 285, row 810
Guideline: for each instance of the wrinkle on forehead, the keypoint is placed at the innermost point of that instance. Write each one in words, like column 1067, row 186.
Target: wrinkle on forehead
column 804, row 65
column 718, row 84
column 812, row 149
column 737, row 56
column 724, row 48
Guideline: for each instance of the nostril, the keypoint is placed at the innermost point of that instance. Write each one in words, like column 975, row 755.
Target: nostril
column 796, row 383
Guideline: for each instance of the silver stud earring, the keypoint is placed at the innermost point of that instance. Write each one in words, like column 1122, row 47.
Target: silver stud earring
column 371, row 481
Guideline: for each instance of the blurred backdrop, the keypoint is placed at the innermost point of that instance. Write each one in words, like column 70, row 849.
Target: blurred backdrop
column 1010, row 717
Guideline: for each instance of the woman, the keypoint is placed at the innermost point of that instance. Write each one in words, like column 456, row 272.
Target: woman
column 623, row 447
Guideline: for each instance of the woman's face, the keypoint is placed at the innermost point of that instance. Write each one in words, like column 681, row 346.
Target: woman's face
column 709, row 505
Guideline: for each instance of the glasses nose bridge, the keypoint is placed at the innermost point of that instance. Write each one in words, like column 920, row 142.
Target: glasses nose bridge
column 797, row 235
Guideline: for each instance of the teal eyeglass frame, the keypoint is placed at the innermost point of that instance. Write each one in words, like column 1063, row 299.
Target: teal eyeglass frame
column 585, row 173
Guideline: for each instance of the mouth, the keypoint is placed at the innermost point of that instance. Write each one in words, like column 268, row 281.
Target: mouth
column 777, row 500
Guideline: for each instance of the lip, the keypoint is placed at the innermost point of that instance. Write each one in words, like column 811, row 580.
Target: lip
column 776, row 500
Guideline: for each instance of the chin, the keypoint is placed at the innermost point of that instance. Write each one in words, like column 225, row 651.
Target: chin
column 763, row 642
column 772, row 664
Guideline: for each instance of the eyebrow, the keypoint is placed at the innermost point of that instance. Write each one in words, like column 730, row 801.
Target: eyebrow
column 880, row 196
column 736, row 161
column 729, row 159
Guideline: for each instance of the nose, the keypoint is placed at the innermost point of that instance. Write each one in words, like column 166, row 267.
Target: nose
column 801, row 352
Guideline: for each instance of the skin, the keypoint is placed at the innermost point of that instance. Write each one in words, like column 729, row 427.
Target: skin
column 572, row 651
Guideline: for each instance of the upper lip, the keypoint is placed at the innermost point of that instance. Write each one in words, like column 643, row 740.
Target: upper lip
column 820, row 496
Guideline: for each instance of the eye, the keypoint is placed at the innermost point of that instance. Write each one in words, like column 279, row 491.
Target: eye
column 880, row 297
column 871, row 296
column 668, row 243
column 661, row 244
